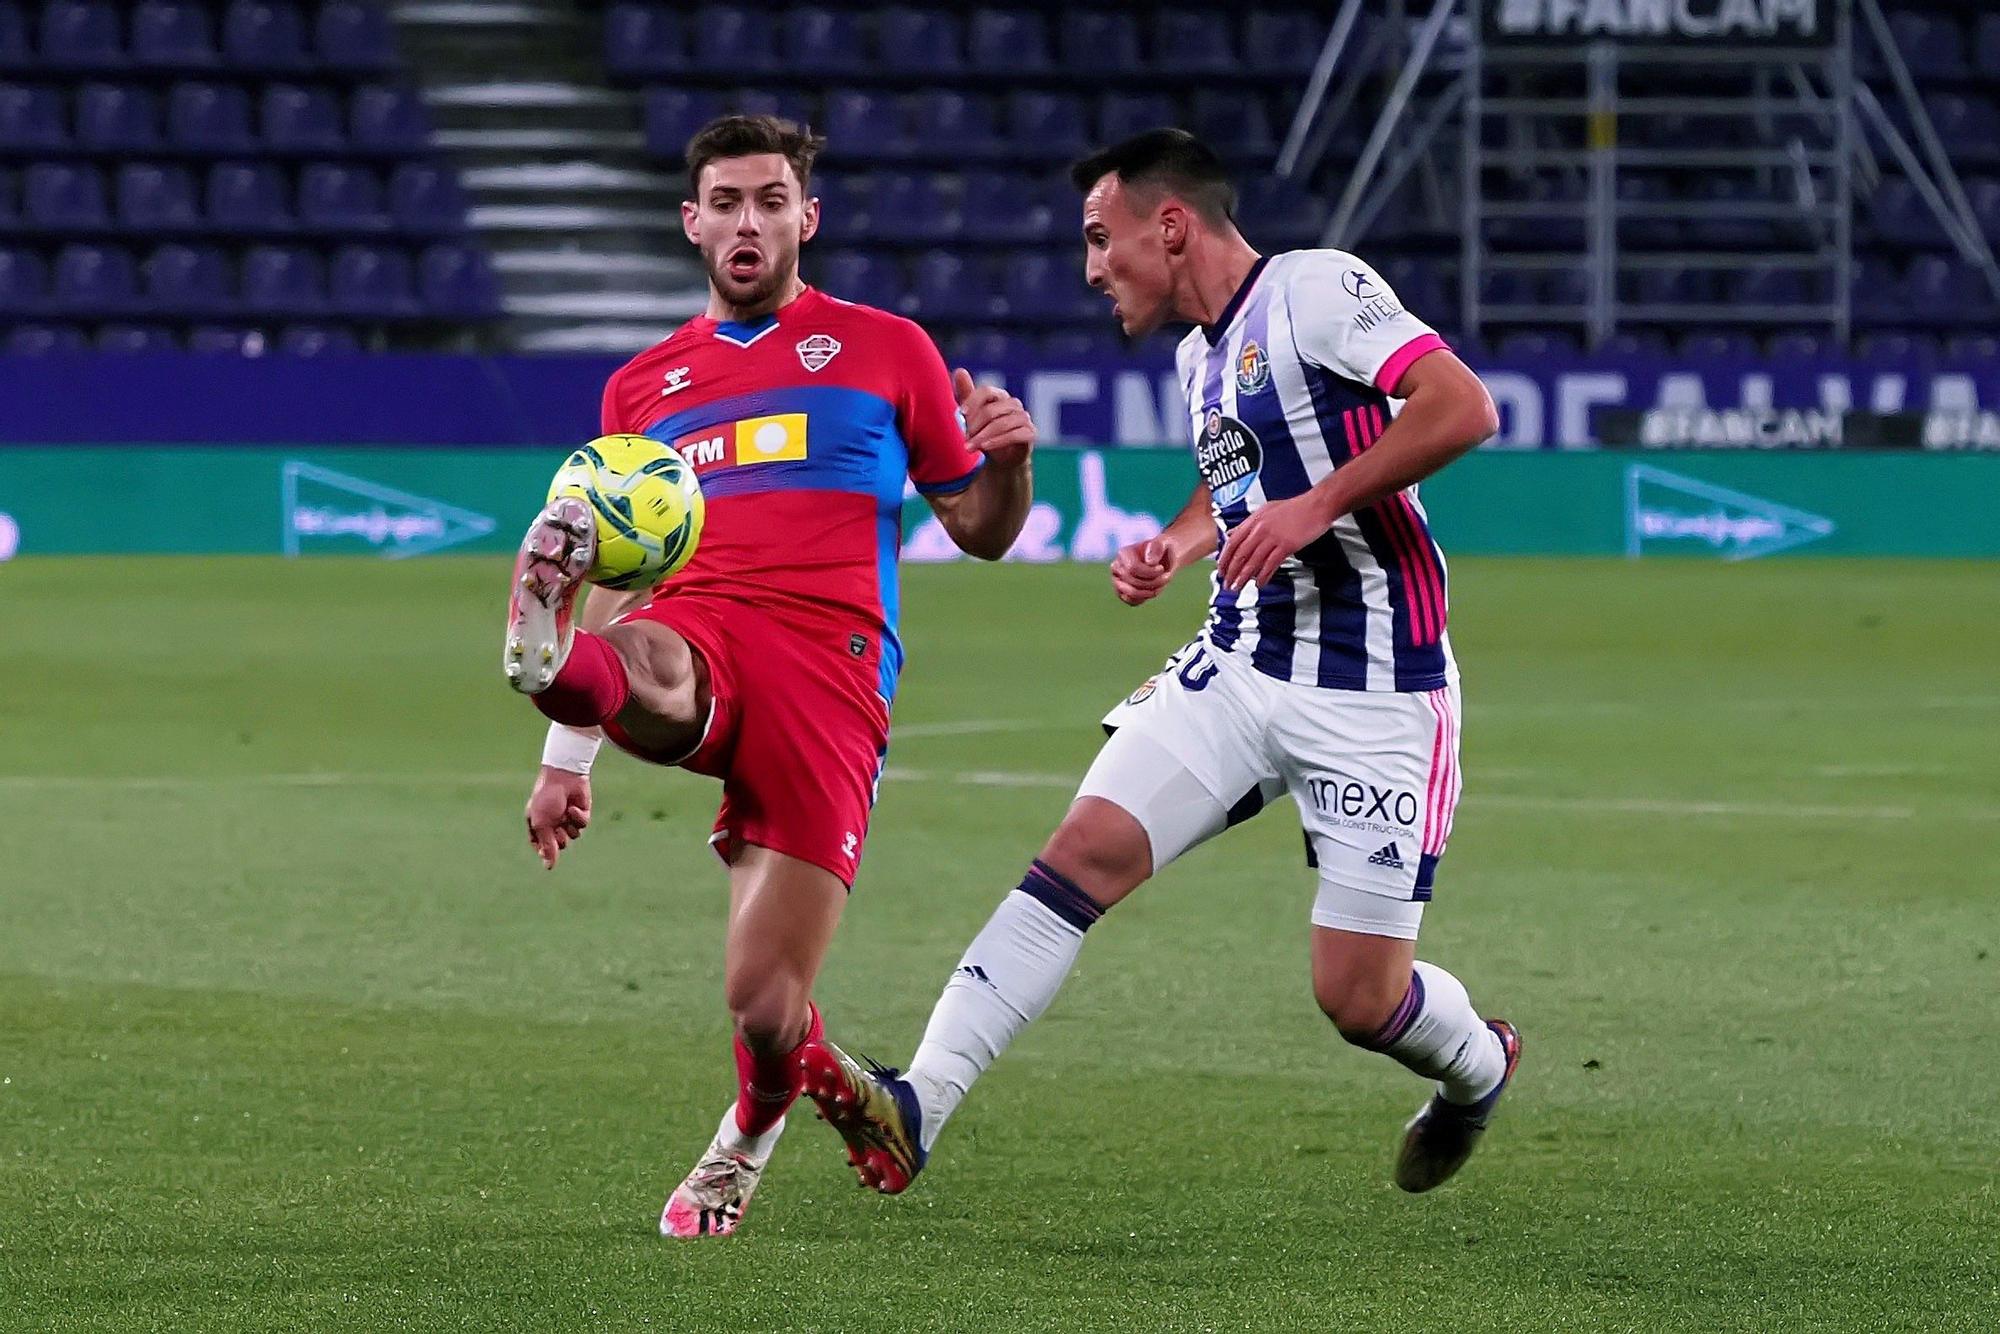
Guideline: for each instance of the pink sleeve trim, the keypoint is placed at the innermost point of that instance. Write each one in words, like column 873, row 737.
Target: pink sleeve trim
column 1401, row 359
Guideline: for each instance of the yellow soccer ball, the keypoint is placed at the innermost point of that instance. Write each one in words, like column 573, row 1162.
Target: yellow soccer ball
column 647, row 504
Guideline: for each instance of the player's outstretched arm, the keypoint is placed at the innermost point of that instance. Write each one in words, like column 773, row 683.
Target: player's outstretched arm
column 1446, row 412
column 1140, row 571
column 985, row 518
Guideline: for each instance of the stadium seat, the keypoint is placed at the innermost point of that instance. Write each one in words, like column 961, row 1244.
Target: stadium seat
column 1986, row 43
column 947, row 286
column 116, row 119
column 734, row 37
column 1005, row 208
column 57, row 196
column 1731, row 347
column 370, row 282
column 854, row 276
column 316, row 340
column 24, row 282
column 1635, row 343
column 1234, row 124
column 915, row 208
column 425, row 200
column 1094, row 44
column 1900, row 348
column 300, row 119
column 950, row 124
column 156, row 198
column 38, row 340
column 16, row 52
column 1122, row 115
column 125, row 339
column 1874, row 292
column 672, row 117
column 1040, row 287
column 1968, row 126
column 801, row 108
column 32, row 118
column 388, row 120
column 172, row 35
column 1507, row 287
column 264, row 38
column 644, row 39
column 1049, row 125
column 209, row 118
column 988, row 346
column 354, row 37
column 335, row 197
column 1422, row 285
column 247, row 197
column 1723, row 230
column 1943, row 291
column 1898, row 215
column 823, row 42
column 1191, row 42
column 1281, row 214
column 224, row 341
column 919, row 41
column 455, row 283
column 844, row 204
column 1932, row 45
column 1770, row 285
column 282, row 281
column 1082, row 345
column 1008, row 41
column 1280, row 44
column 88, row 280
column 1981, row 350
column 866, row 124
column 1537, row 345
column 185, row 281
column 81, row 35
column 1798, row 346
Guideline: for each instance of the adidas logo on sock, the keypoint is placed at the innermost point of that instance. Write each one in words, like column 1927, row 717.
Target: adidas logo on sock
column 1386, row 855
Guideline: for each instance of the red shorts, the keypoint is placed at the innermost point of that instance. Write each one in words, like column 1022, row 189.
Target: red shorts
column 797, row 730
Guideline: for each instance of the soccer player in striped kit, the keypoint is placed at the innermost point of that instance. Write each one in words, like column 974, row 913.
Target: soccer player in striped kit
column 1315, row 403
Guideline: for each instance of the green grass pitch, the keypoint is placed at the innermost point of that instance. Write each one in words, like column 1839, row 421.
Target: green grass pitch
column 295, row 1034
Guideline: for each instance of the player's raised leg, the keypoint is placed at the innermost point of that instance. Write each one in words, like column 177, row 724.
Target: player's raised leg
column 782, row 916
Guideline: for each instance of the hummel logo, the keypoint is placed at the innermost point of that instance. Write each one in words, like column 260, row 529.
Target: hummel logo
column 1388, row 856
column 973, row 971
column 677, row 380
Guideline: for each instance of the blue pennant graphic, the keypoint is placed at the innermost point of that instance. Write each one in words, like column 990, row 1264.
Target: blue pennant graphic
column 1665, row 511
column 397, row 524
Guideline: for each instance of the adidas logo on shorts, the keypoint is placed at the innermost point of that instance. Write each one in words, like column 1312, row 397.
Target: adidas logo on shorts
column 1388, row 856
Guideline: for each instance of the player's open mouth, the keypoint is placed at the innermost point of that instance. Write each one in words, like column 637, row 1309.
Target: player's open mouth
column 743, row 263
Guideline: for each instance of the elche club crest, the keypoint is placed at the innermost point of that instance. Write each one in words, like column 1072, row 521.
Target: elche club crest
column 818, row 349
column 1253, row 369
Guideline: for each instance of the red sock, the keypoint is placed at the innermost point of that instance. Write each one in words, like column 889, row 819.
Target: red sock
column 767, row 1085
column 590, row 688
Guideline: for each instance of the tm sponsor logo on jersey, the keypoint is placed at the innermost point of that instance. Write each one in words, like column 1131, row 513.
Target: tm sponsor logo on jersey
column 1353, row 804
column 779, row 439
column 1229, row 455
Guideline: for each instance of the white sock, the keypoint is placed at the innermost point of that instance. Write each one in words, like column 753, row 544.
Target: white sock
column 1437, row 1033
column 1009, row 974
column 754, row 1147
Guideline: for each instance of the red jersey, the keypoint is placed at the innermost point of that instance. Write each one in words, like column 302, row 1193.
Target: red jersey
column 802, row 427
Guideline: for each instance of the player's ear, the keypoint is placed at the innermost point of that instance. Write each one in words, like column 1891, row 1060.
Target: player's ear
column 809, row 219
column 689, row 212
column 1173, row 223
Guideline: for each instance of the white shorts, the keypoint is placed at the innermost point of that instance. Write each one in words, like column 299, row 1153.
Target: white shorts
column 1210, row 741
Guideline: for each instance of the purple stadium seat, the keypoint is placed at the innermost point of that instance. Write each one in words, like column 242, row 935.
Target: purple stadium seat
column 1094, row 44
column 24, row 282
column 425, row 200
column 844, row 207
column 1007, row 41
column 371, row 283
column 1279, row 43
column 988, row 347
column 16, row 52
column 1731, row 347
column 81, row 34
column 1095, row 344
column 60, row 197
column 672, row 117
column 156, row 198
column 1122, row 115
column 316, row 340
column 299, row 119
column 93, row 280
column 264, row 37
column 247, row 197
column 1635, row 343
column 1234, row 124
column 1728, row 231
column 1766, row 285
column 1901, row 348
column 340, row 198
column 1193, row 41
column 1874, row 291
column 209, row 118
column 1004, row 208
column 37, row 340
column 1973, row 349
column 1986, row 43
column 644, row 39
column 822, row 42
column 1899, row 216
column 116, row 118
column 354, row 36
column 172, row 34
column 1422, row 286
column 941, row 121
column 1037, row 286
column 801, row 108
column 1933, row 45
column 283, row 280
column 455, row 282
column 1050, row 125
column 1799, row 346
column 32, row 118
column 734, row 37
column 854, row 276
column 915, row 208
column 1667, row 287
column 225, row 341
column 124, row 339
column 1536, row 345
column 383, row 119
column 865, row 124
column 1281, row 213
column 1969, row 126
column 1507, row 287
column 919, row 41
column 947, row 286
column 1944, row 290
column 188, row 281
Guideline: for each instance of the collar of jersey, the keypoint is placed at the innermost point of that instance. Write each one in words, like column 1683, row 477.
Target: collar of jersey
column 1213, row 332
column 743, row 333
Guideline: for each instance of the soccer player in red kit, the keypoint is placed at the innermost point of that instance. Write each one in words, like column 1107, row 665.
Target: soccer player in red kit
column 771, row 660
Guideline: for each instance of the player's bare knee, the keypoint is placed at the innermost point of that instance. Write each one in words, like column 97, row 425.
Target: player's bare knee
column 660, row 667
column 770, row 1013
column 1102, row 848
column 1359, row 1005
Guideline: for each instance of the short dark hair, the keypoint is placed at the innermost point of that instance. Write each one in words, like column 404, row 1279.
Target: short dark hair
column 1168, row 160
column 746, row 136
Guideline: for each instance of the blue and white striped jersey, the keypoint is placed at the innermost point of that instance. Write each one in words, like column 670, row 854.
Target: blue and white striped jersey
column 1290, row 382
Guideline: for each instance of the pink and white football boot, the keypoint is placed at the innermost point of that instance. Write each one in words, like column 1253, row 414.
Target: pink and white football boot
column 712, row 1201
column 555, row 555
